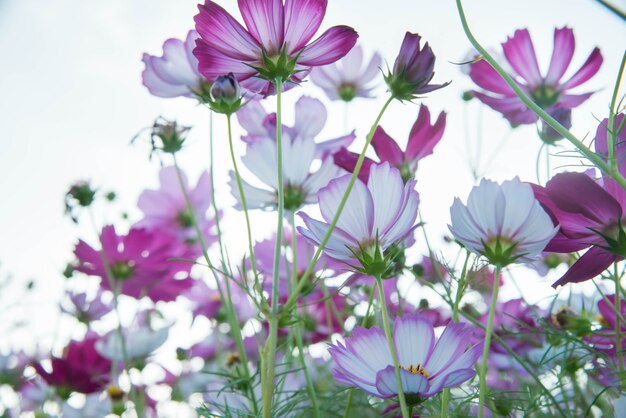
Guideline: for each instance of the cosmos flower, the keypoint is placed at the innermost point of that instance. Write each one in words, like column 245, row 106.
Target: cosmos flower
column 300, row 151
column 413, row 70
column 427, row 365
column 141, row 263
column 376, row 216
column 175, row 74
column 165, row 210
column 346, row 79
column 504, row 223
column 86, row 308
column 274, row 44
column 422, row 140
column 81, row 369
column 590, row 213
column 551, row 91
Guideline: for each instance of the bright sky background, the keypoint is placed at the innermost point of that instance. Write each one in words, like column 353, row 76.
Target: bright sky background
column 71, row 99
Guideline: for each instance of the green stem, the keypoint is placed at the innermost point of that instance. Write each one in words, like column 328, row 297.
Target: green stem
column 488, row 332
column 227, row 301
column 346, row 414
column 618, row 325
column 588, row 153
column 611, row 128
column 298, row 323
column 291, row 301
column 613, row 9
column 392, row 348
column 445, row 398
column 244, row 206
column 270, row 346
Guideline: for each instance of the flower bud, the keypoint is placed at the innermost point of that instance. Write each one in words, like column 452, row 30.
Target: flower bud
column 80, row 195
column 225, row 94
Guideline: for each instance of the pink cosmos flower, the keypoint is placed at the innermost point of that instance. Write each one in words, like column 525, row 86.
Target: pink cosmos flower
column 141, row 264
column 87, row 308
column 165, row 210
column 300, row 151
column 590, row 213
column 427, row 365
column 422, row 140
column 550, row 91
column 175, row 74
column 504, row 223
column 81, row 369
column 376, row 216
column 275, row 42
column 346, row 79
column 413, row 70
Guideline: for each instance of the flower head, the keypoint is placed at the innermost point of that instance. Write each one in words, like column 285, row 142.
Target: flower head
column 300, row 151
column 590, row 213
column 274, row 45
column 346, row 79
column 175, row 74
column 226, row 95
column 427, row 365
column 376, row 219
column 166, row 211
column 550, row 91
column 141, row 263
column 504, row 223
column 86, row 308
column 413, row 70
column 422, row 140
column 80, row 369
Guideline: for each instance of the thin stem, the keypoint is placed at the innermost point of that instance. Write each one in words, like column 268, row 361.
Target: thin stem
column 613, row 9
column 291, row 301
column 392, row 349
column 611, row 129
column 445, row 398
column 269, row 352
column 244, row 206
column 346, row 414
column 588, row 153
column 488, row 332
column 618, row 324
column 298, row 324
column 231, row 313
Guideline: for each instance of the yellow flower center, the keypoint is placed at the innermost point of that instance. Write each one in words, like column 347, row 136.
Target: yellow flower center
column 416, row 370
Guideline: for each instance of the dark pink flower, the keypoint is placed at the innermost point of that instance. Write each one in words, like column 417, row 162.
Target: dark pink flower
column 275, row 42
column 590, row 213
column 413, row 70
column 80, row 369
column 422, row 140
column 550, row 91
column 142, row 263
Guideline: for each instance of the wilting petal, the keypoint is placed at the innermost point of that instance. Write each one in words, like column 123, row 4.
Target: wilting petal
column 595, row 261
column 329, row 47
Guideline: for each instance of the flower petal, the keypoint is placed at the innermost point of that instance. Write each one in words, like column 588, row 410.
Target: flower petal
column 386, row 148
column 520, row 53
column 329, row 47
column 265, row 21
column 591, row 264
column 302, row 19
column 310, row 117
column 588, row 70
column 564, row 44
column 411, row 383
column 414, row 339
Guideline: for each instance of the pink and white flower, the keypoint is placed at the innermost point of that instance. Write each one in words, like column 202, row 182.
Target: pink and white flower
column 174, row 74
column 275, row 42
column 504, row 223
column 376, row 216
column 346, row 79
column 427, row 365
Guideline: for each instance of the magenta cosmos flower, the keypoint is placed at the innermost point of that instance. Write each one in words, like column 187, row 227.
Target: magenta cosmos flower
column 175, row 74
column 551, row 92
column 274, row 45
column 81, row 369
column 590, row 213
column 413, row 70
column 141, row 263
column 346, row 78
column 376, row 216
column 166, row 211
column 504, row 223
column 427, row 365
column 422, row 140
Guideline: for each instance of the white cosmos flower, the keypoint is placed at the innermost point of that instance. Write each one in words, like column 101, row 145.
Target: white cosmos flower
column 505, row 223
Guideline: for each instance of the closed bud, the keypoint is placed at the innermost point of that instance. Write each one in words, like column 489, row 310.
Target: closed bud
column 225, row 95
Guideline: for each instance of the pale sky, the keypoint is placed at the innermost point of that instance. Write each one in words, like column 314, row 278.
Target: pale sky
column 71, row 99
